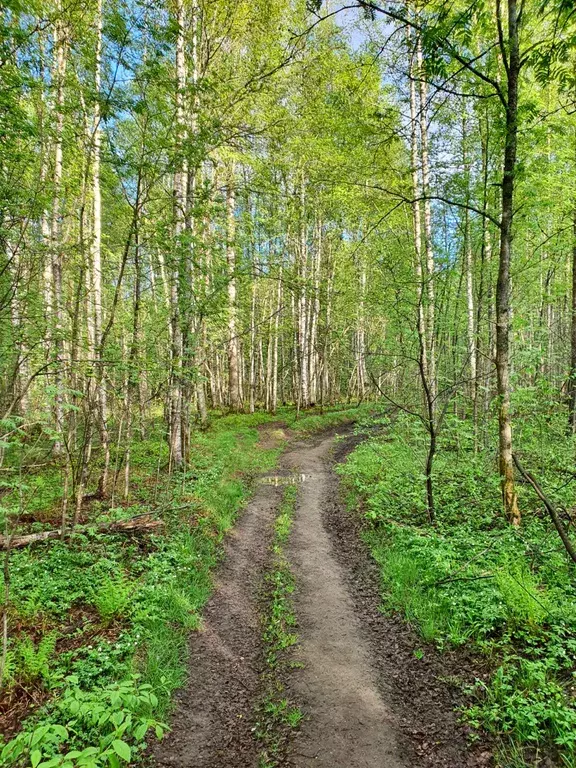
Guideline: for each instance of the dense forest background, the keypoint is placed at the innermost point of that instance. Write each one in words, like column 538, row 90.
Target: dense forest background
column 233, row 207
column 210, row 207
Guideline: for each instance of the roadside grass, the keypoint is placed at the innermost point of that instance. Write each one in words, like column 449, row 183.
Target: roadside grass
column 100, row 621
column 472, row 579
column 276, row 715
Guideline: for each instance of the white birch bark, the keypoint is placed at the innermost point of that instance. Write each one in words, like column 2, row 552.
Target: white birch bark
column 56, row 232
column 314, row 315
column 417, row 215
column 274, row 401
column 303, row 339
column 96, row 261
column 233, row 361
column 252, row 382
column 17, row 310
column 361, row 334
column 175, row 417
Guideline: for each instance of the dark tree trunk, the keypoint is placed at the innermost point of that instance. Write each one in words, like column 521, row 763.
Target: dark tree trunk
column 572, row 380
column 503, row 285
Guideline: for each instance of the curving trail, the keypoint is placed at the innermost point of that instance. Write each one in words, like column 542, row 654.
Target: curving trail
column 358, row 670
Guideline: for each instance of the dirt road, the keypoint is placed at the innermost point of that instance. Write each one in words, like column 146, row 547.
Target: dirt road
column 368, row 700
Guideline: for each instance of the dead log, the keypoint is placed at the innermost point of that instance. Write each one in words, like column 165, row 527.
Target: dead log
column 142, row 522
column 550, row 508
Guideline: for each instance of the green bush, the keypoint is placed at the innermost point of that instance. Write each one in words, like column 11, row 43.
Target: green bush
column 526, row 603
column 88, row 730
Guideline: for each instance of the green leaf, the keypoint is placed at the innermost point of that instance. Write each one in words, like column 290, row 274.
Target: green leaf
column 117, row 718
column 140, row 731
column 52, row 762
column 38, row 734
column 35, row 757
column 122, row 749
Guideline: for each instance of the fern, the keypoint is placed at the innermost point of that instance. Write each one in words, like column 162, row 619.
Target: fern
column 9, row 669
column 33, row 662
column 112, row 598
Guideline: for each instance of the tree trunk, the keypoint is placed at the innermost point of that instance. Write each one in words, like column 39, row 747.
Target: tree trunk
column 429, row 247
column 133, row 379
column 485, row 351
column 56, row 234
column 572, row 380
column 471, row 326
column 180, row 190
column 469, row 270
column 416, row 217
column 268, row 398
column 274, row 402
column 233, row 352
column 326, row 391
column 252, row 382
column 361, row 335
column 96, row 264
column 503, row 285
column 303, row 339
column 21, row 371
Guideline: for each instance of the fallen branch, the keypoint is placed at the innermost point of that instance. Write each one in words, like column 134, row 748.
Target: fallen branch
column 550, row 507
column 459, row 578
column 142, row 522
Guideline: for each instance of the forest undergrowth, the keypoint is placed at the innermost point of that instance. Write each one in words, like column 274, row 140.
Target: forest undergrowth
column 470, row 580
column 98, row 623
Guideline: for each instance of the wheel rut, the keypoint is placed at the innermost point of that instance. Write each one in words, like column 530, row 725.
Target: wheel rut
column 212, row 723
column 349, row 724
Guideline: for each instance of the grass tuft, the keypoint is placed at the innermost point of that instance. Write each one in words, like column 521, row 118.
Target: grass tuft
column 276, row 715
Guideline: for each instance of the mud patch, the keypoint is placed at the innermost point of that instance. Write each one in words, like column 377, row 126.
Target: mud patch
column 273, row 435
column 290, row 478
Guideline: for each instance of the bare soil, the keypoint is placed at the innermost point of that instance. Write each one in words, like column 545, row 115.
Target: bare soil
column 349, row 722
column 214, row 716
column 369, row 702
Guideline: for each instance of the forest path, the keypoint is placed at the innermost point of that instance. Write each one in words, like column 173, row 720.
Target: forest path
column 368, row 701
